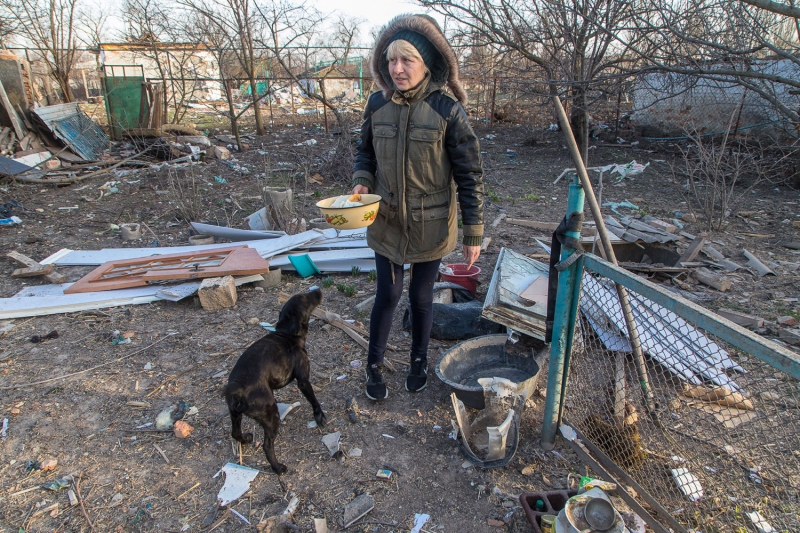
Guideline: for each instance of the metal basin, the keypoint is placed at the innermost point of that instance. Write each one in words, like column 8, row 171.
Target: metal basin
column 485, row 357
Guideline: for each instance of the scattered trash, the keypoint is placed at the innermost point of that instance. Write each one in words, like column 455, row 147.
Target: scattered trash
column 6, row 208
column 355, row 452
column 419, row 521
column 32, row 464
column 164, row 419
column 616, row 205
column 384, row 474
column 267, row 326
column 10, row 221
column 40, row 338
column 285, row 408
column 148, row 366
column 237, row 482
column 4, row 431
column 388, row 436
column 320, row 525
column 182, row 429
column 760, row 523
column 357, row 508
column 220, row 179
column 352, row 410
column 312, row 424
column 243, row 519
column 118, row 338
column 331, row 442
column 355, row 363
column 688, row 483
column 58, row 484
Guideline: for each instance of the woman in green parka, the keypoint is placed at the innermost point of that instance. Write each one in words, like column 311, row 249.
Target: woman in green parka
column 419, row 153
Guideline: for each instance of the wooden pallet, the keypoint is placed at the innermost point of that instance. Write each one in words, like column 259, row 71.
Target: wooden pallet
column 210, row 263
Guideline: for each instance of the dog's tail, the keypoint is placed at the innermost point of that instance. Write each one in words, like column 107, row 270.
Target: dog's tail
column 236, row 397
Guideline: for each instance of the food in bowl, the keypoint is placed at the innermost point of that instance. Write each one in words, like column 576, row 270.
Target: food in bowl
column 350, row 211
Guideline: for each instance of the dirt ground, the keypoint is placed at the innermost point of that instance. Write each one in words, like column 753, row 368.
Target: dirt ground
column 142, row 480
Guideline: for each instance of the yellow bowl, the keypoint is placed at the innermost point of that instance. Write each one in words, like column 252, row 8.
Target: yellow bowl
column 351, row 217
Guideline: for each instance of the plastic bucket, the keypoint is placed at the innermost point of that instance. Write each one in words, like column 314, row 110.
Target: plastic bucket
column 466, row 277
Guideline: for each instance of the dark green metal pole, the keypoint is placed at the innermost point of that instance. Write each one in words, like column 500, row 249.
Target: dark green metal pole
column 569, row 288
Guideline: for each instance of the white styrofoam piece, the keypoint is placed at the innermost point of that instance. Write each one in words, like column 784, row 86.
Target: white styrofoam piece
column 237, row 482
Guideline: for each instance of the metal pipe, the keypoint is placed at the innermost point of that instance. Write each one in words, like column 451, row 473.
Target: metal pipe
column 633, row 334
column 563, row 327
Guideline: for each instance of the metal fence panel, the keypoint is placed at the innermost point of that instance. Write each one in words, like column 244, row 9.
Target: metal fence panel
column 721, row 450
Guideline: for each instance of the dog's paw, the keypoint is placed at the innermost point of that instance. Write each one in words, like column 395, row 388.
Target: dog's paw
column 279, row 468
column 245, row 438
column 321, row 419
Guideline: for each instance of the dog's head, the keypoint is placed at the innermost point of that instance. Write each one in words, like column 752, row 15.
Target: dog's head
column 294, row 316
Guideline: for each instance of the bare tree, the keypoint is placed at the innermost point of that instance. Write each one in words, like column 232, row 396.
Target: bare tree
column 50, row 27
column 8, row 25
column 297, row 26
column 153, row 31
column 221, row 45
column 728, row 41
column 568, row 40
column 238, row 20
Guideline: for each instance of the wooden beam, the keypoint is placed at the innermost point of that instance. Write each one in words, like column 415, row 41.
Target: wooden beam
column 693, row 249
column 52, row 276
column 32, row 272
column 19, row 127
column 545, row 226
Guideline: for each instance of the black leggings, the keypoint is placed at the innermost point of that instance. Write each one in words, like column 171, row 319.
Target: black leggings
column 387, row 296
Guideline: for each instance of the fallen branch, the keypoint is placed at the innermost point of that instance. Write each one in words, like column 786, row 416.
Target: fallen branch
column 10, row 387
column 77, row 484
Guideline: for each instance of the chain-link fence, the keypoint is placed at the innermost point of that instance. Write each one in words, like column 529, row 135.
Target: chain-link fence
column 720, row 448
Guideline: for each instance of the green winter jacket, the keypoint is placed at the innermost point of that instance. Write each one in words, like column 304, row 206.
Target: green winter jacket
column 419, row 153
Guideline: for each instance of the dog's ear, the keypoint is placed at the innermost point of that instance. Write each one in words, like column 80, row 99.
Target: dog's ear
column 290, row 321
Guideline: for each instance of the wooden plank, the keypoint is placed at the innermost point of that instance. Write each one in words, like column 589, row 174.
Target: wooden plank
column 19, row 127
column 546, row 226
column 208, row 263
column 4, row 134
column 52, row 276
column 693, row 249
column 33, row 271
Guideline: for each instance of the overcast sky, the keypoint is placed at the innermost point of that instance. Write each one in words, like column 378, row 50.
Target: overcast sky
column 375, row 13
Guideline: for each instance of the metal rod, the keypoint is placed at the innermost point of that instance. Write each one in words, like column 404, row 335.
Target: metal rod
column 633, row 334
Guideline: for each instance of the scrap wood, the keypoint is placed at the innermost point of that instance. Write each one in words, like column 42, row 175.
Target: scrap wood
column 23, row 385
column 741, row 319
column 76, row 179
column 203, row 263
column 33, row 271
column 731, row 417
column 719, row 395
column 546, row 226
column 77, row 483
column 706, row 277
column 52, row 276
column 693, row 249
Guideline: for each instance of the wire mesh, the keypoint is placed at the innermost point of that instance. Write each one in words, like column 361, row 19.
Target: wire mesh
column 721, row 449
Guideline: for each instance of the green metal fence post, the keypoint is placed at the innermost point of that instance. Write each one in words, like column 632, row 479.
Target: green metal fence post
column 569, row 283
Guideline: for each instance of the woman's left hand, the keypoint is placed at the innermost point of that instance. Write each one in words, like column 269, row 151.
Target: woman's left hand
column 471, row 254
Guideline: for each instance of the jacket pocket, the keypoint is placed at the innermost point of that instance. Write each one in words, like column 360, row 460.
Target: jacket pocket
column 384, row 138
column 424, row 142
column 429, row 227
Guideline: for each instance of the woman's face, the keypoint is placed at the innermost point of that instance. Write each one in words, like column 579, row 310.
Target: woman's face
column 406, row 73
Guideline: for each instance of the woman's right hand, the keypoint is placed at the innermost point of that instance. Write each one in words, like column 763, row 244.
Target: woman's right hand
column 360, row 189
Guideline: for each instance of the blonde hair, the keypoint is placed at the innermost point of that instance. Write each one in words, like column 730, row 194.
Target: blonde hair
column 404, row 49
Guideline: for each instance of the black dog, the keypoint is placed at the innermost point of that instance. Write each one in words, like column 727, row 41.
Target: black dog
column 269, row 364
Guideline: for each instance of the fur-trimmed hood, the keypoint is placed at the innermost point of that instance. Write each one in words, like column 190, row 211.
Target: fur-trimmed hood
column 443, row 72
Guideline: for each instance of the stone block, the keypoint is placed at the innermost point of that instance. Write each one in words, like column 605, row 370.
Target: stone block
column 220, row 152
column 272, row 278
column 217, row 293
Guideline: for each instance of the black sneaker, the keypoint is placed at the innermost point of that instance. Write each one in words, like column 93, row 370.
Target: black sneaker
column 418, row 376
column 376, row 387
